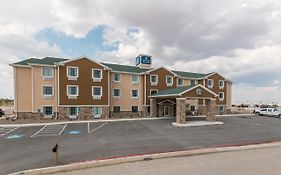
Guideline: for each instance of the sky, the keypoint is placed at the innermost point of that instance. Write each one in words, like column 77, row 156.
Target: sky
column 240, row 39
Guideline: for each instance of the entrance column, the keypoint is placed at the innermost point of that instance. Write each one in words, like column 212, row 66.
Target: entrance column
column 210, row 107
column 153, row 107
column 181, row 111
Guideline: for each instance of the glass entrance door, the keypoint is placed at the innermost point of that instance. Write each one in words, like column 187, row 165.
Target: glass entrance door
column 166, row 111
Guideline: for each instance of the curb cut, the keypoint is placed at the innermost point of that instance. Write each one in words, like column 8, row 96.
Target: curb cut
column 130, row 159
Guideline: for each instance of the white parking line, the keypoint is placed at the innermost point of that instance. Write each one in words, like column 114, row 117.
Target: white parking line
column 96, row 127
column 6, row 130
column 50, row 130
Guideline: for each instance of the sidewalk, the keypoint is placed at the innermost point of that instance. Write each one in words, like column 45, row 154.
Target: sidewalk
column 247, row 162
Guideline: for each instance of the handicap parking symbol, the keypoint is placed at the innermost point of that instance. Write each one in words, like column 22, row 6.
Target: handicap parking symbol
column 74, row 132
column 15, row 136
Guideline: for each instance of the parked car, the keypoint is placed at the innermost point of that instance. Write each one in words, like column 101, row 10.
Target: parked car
column 274, row 112
column 2, row 113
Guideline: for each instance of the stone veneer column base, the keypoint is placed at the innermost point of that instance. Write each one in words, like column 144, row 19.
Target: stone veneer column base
column 153, row 107
column 211, row 107
column 181, row 111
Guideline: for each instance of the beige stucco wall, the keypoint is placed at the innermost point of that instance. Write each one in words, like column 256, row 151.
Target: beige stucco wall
column 23, row 89
column 39, row 100
column 126, row 86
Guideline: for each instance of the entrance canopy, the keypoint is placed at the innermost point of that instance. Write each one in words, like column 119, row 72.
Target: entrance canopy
column 192, row 91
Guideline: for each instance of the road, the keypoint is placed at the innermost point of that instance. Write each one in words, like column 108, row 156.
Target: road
column 31, row 147
column 248, row 162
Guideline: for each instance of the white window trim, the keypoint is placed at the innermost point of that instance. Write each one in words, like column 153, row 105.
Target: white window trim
column 212, row 85
column 195, row 82
column 154, row 83
column 137, row 77
column 73, row 116
column 47, row 116
column 47, row 96
column 178, row 82
column 72, row 77
column 113, row 78
column 153, row 90
column 96, row 115
column 169, row 84
column 97, row 96
column 97, row 79
column 132, row 93
column 221, row 87
column 70, row 96
column 221, row 99
column 220, row 108
column 135, row 112
column 114, row 95
column 47, row 77
column 116, row 106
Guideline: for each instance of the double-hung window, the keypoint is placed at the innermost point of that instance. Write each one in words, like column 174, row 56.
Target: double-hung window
column 169, row 80
column 97, row 75
column 135, row 94
column 47, row 91
column 221, row 84
column 116, row 109
column 221, row 96
column 180, row 82
column 210, row 83
column 193, row 82
column 116, row 77
column 97, row 92
column 153, row 91
column 153, row 79
column 72, row 73
column 72, row 91
column 47, row 110
column 135, row 109
column 97, row 111
column 47, row 72
column 116, row 93
column 73, row 111
column 135, row 78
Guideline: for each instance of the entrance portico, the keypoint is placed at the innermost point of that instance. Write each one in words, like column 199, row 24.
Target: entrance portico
column 175, row 101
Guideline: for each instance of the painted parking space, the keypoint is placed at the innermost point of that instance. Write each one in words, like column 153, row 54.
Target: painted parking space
column 6, row 130
column 92, row 127
column 50, row 130
column 22, row 132
column 75, row 129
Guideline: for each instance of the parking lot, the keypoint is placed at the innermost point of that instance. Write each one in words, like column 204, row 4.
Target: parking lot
column 30, row 147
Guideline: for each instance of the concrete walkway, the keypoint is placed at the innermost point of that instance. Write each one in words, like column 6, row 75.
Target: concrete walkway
column 247, row 162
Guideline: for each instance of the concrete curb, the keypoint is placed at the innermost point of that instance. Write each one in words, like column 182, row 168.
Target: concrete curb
column 120, row 160
column 108, row 120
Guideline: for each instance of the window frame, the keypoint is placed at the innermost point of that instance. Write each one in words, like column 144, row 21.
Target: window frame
column 195, row 82
column 113, row 95
column 96, row 96
column 172, row 80
column 221, row 99
column 153, row 90
column 212, row 85
column 182, row 82
column 113, row 78
column 150, row 77
column 94, row 78
column 44, row 114
column 221, row 87
column 137, row 93
column 137, row 78
column 221, row 107
column 97, row 115
column 72, row 77
column 47, row 95
column 47, row 77
column 70, row 96
column 76, row 111
column 133, row 110
column 117, row 111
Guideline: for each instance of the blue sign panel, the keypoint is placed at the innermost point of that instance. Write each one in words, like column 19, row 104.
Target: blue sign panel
column 74, row 132
column 145, row 60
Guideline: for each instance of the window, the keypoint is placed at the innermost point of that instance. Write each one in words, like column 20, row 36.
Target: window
column 116, row 92
column 73, row 111
column 221, row 96
column 221, row 108
column 135, row 78
column 148, row 109
column 116, row 77
column 221, row 84
column 153, row 91
column 180, row 82
column 47, row 72
column 72, row 91
column 135, row 94
column 47, row 110
column 153, row 79
column 193, row 82
column 47, row 91
column 169, row 80
column 97, row 92
column 72, row 73
column 116, row 108
column 210, row 83
column 97, row 75
column 135, row 109
column 192, row 108
column 97, row 111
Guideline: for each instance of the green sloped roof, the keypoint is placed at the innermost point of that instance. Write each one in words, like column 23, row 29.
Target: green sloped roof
column 189, row 74
column 173, row 91
column 125, row 68
column 44, row 61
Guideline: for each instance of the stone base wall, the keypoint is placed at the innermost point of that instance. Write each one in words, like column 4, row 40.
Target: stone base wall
column 126, row 114
column 202, row 110
column 145, row 112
